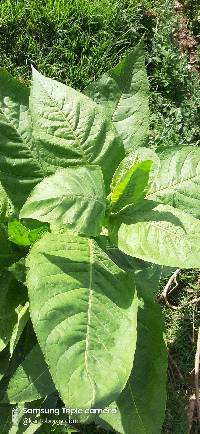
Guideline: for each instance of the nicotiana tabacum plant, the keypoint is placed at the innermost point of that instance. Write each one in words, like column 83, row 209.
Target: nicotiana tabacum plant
column 91, row 219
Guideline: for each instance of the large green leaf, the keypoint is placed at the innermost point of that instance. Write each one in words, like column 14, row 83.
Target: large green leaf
column 123, row 92
column 20, row 169
column 70, row 129
column 12, row 295
column 141, row 405
column 161, row 234
column 130, row 188
column 73, row 196
column 174, row 178
column 31, row 380
column 84, row 310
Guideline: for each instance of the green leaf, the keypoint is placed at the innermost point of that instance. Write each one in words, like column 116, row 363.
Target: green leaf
column 18, row 270
column 31, row 380
column 3, row 202
column 176, row 179
column 73, row 196
column 23, row 317
column 23, row 236
column 84, row 312
column 6, row 251
column 19, row 422
column 4, row 362
column 139, row 155
column 18, row 233
column 123, row 92
column 36, row 422
column 147, row 275
column 130, row 188
column 12, row 295
column 70, row 129
column 161, row 234
column 5, row 418
column 20, row 169
column 141, row 405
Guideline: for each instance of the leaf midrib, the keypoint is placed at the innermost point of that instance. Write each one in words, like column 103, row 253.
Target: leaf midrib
column 62, row 197
column 89, row 320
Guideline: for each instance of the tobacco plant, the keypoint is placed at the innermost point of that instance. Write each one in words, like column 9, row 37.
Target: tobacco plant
column 91, row 219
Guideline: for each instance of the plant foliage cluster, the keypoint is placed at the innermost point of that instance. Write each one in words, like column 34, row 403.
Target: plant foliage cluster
column 91, row 219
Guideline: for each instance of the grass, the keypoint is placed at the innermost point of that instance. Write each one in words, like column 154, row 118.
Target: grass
column 181, row 334
column 75, row 41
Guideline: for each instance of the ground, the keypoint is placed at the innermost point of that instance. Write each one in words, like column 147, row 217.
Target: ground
column 75, row 41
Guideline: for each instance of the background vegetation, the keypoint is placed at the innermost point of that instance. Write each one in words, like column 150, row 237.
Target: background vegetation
column 75, row 41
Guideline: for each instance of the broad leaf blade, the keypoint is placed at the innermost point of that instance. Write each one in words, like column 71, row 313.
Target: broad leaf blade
column 161, row 234
column 31, row 380
column 20, row 169
column 73, row 196
column 130, row 188
column 70, row 129
column 176, row 179
column 141, row 405
column 84, row 310
column 123, row 92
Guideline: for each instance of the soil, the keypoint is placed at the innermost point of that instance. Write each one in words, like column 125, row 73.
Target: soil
column 186, row 41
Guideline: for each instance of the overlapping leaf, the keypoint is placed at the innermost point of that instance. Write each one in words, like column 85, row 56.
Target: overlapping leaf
column 22, row 318
column 73, row 196
column 4, row 362
column 130, row 188
column 18, row 270
column 146, row 274
column 123, row 92
column 70, row 129
column 23, row 235
column 174, row 178
column 84, row 310
column 12, row 295
column 141, row 405
column 31, row 380
column 6, row 251
column 161, row 234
